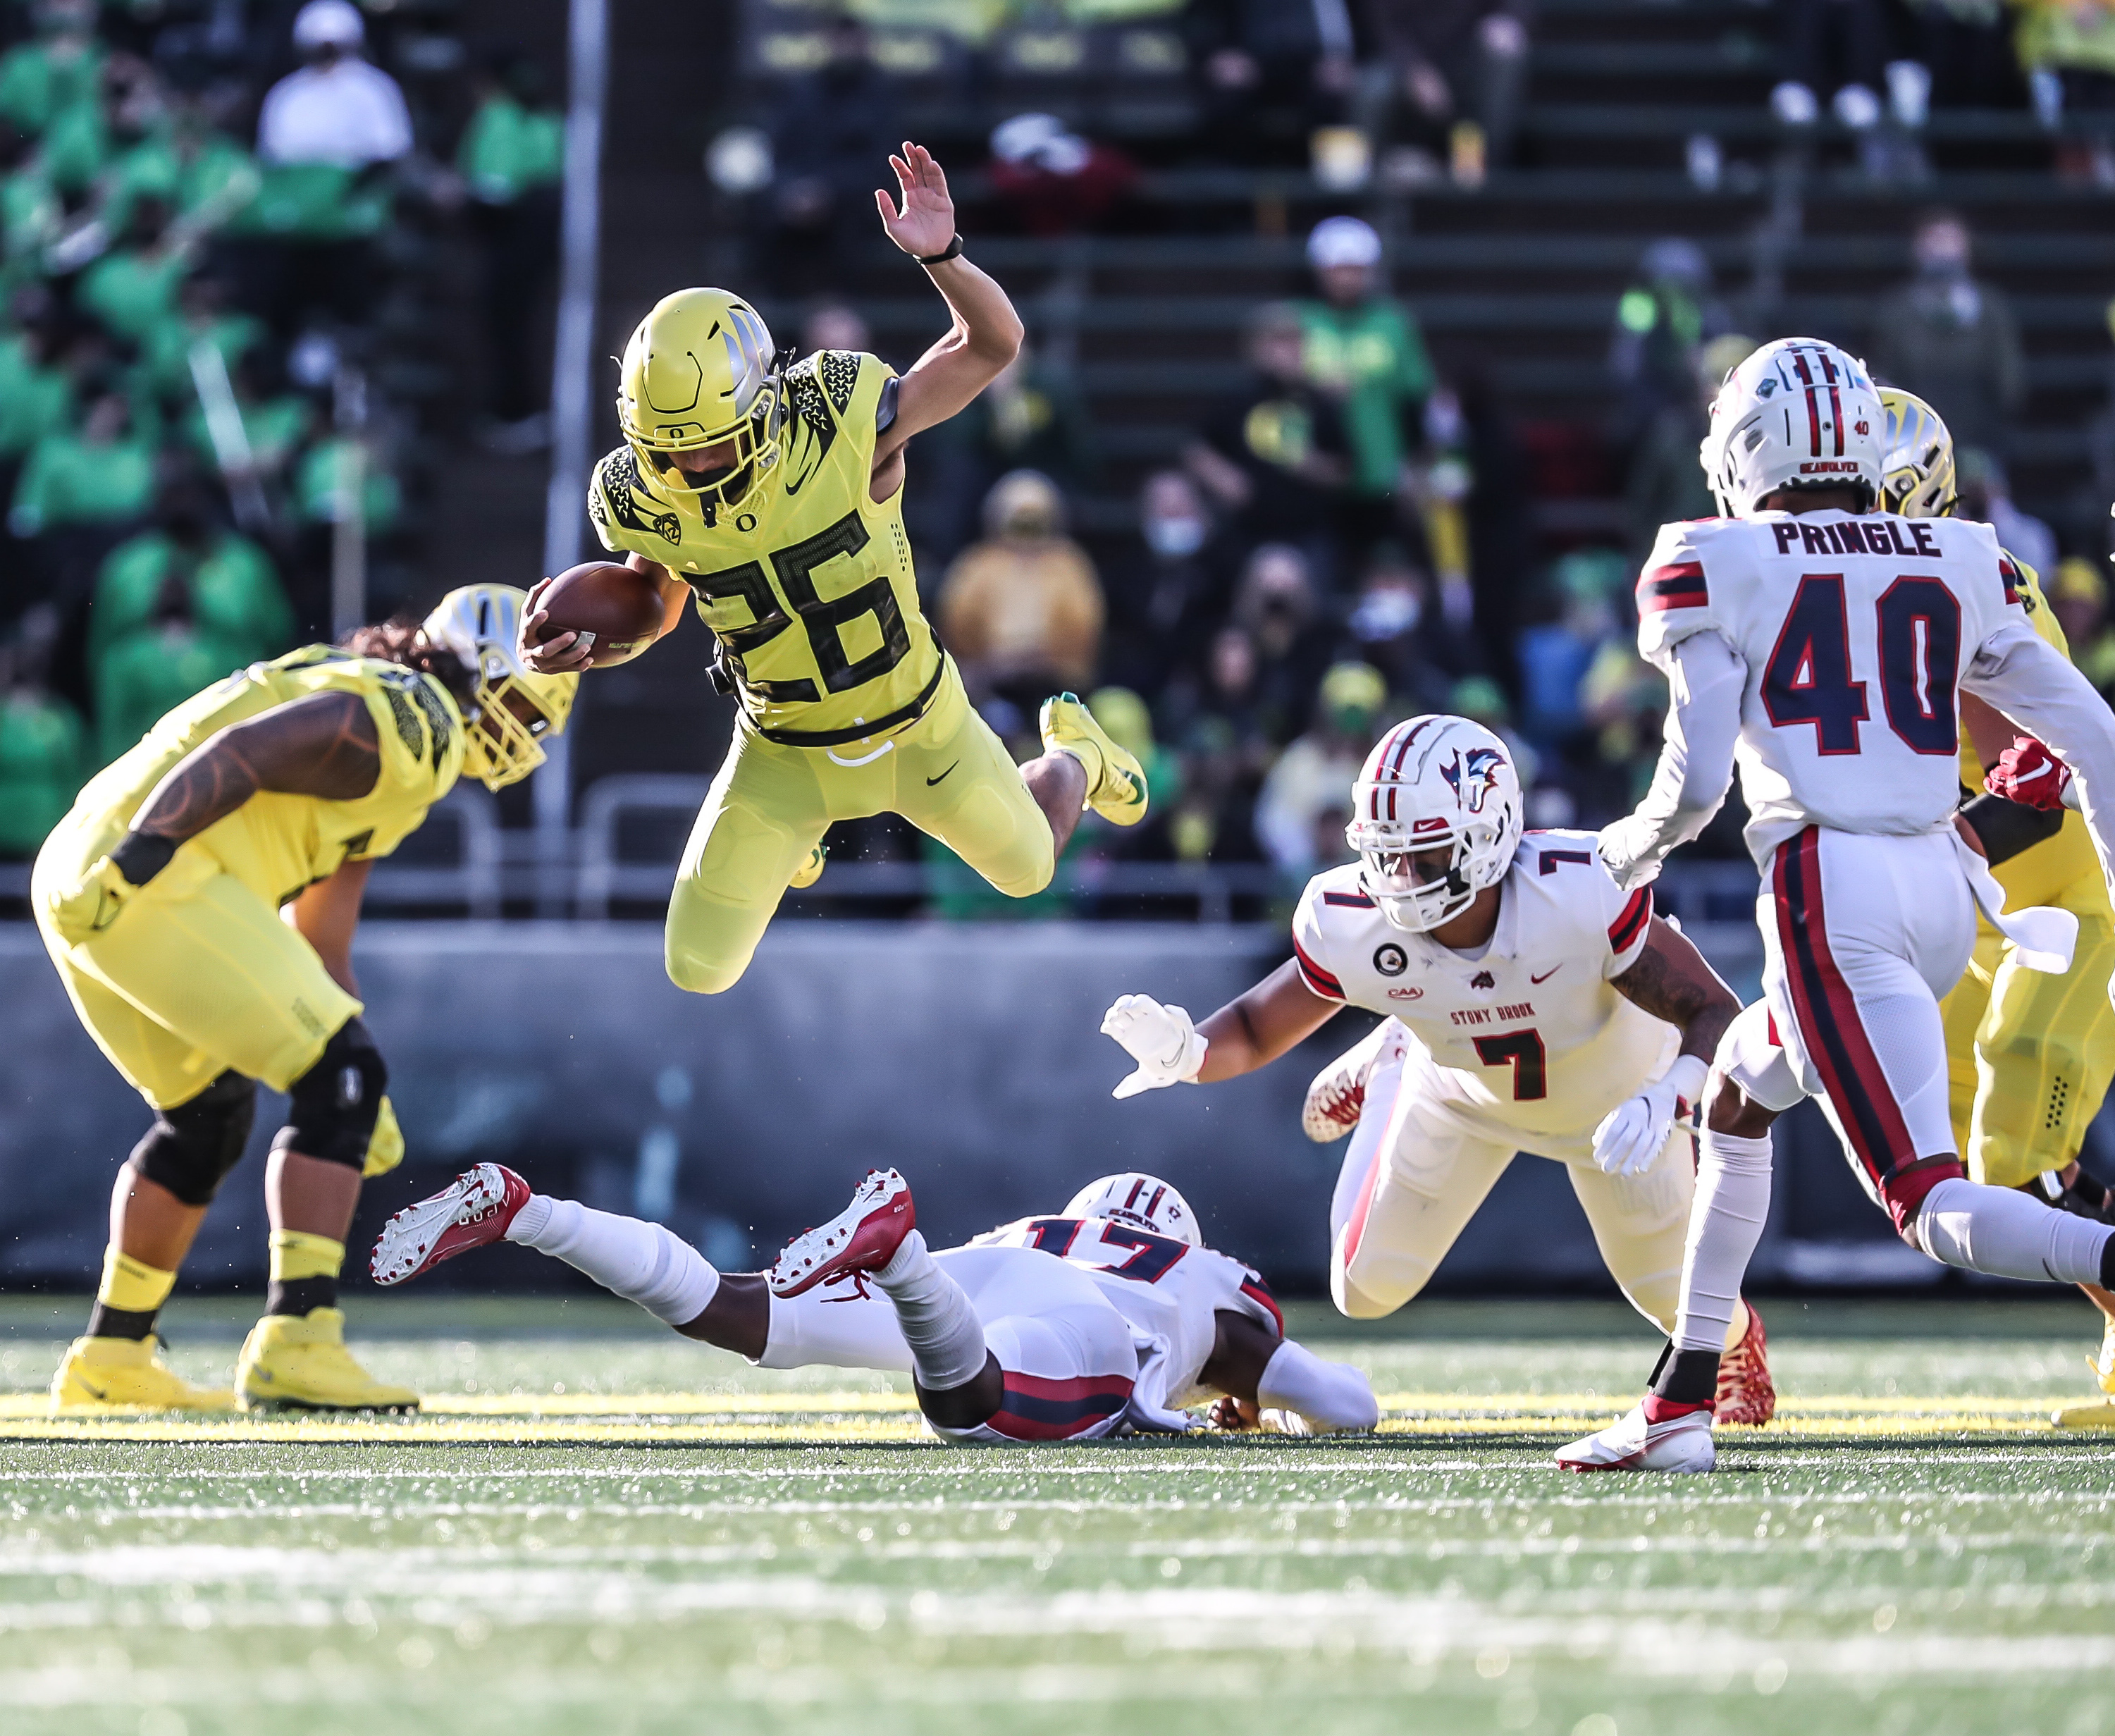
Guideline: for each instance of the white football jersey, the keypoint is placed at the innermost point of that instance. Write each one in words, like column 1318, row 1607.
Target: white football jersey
column 1532, row 1030
column 1167, row 1290
column 1857, row 630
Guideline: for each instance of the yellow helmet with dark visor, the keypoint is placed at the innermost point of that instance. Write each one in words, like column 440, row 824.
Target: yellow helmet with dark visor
column 700, row 371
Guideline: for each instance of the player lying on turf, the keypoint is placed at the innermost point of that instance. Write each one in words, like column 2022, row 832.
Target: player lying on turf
column 2028, row 1054
column 1108, row 1318
column 160, row 898
column 1823, row 646
column 773, row 496
column 1535, row 1008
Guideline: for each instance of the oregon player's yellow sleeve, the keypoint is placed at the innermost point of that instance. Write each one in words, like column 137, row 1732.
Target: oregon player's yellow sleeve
column 420, row 733
column 628, row 517
column 2054, row 871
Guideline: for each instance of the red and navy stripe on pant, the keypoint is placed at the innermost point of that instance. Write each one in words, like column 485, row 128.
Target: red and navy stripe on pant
column 1836, row 1041
column 1037, row 1409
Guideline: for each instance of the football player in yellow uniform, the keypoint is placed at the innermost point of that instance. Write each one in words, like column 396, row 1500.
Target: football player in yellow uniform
column 200, row 902
column 2030, row 1055
column 774, row 498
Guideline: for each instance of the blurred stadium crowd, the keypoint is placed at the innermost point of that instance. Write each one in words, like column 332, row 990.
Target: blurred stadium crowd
column 1343, row 538
column 225, row 219
column 219, row 262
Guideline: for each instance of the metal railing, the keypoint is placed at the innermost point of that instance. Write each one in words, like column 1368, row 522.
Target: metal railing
column 466, row 863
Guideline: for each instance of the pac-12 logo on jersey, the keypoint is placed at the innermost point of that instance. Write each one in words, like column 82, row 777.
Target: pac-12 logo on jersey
column 1473, row 775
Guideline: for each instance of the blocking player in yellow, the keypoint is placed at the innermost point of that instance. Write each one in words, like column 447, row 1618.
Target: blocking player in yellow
column 200, row 902
column 772, row 495
column 2030, row 1055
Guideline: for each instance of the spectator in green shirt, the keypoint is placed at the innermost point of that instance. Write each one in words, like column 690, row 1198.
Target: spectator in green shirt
column 202, row 316
column 232, row 591
column 61, row 65
column 1363, row 348
column 154, row 668
column 36, row 398
column 132, row 289
column 320, row 483
column 104, row 474
column 43, row 748
column 511, row 158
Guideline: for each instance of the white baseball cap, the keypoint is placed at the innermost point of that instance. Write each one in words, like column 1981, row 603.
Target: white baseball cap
column 328, row 23
column 1336, row 241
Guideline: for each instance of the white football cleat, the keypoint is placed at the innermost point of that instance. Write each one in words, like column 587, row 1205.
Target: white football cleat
column 1680, row 1444
column 862, row 1237
column 473, row 1209
column 1337, row 1097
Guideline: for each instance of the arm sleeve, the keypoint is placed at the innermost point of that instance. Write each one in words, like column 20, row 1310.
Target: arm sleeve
column 1307, row 948
column 2028, row 680
column 1310, row 1396
column 1706, row 678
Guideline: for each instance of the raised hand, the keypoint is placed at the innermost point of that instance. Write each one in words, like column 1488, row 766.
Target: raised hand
column 925, row 223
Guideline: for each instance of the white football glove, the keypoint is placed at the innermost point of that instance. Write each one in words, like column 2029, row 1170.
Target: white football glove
column 1621, row 845
column 1630, row 1134
column 1160, row 1039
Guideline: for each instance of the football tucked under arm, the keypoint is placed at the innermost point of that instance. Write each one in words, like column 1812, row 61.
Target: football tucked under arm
column 1301, row 1394
column 1706, row 679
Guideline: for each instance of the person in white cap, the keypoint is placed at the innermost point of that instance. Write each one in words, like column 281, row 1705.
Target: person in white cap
column 324, row 133
column 336, row 107
column 1364, row 347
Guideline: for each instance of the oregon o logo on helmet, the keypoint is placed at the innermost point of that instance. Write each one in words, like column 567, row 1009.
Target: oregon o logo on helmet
column 1390, row 960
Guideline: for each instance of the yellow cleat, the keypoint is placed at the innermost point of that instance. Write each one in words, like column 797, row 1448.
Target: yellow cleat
column 2103, row 1364
column 2100, row 1416
column 811, row 870
column 128, row 1373
column 1116, row 782
column 300, row 1361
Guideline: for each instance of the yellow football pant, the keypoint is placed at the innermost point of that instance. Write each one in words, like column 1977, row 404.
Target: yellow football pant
column 2028, row 1055
column 198, row 974
column 947, row 774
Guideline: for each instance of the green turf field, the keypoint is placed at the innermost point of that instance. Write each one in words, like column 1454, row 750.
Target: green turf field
column 550, row 1551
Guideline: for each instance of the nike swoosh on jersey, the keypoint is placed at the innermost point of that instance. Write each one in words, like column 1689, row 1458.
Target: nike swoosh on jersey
column 1547, row 974
column 930, row 782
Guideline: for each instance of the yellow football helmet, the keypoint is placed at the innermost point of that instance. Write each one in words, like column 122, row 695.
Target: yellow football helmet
column 701, row 370
column 1916, row 458
column 481, row 623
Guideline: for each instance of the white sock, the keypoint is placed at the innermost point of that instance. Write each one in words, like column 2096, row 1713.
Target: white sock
column 946, row 1337
column 1726, row 1222
column 644, row 1263
column 2002, row 1231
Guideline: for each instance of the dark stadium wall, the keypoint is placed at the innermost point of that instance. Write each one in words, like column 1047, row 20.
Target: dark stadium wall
column 968, row 1056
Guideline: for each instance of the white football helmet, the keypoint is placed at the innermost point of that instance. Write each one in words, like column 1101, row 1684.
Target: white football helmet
column 479, row 622
column 1434, row 784
column 1144, row 1201
column 1798, row 413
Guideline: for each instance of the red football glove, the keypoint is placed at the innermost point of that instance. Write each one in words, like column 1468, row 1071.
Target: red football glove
column 2027, row 772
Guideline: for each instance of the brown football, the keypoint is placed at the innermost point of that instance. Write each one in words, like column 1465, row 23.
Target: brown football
column 622, row 607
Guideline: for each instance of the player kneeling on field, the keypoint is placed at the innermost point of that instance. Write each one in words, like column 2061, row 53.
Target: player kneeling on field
column 1108, row 1318
column 1535, row 1007
column 160, row 898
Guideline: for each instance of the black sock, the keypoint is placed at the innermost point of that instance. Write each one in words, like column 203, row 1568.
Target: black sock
column 2108, row 1264
column 106, row 1322
column 1686, row 1377
column 300, row 1295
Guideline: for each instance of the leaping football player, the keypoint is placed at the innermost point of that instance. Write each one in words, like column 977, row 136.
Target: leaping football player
column 1533, row 1007
column 773, row 497
column 200, row 902
column 1111, row 1316
column 1824, row 645
column 2028, row 1054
